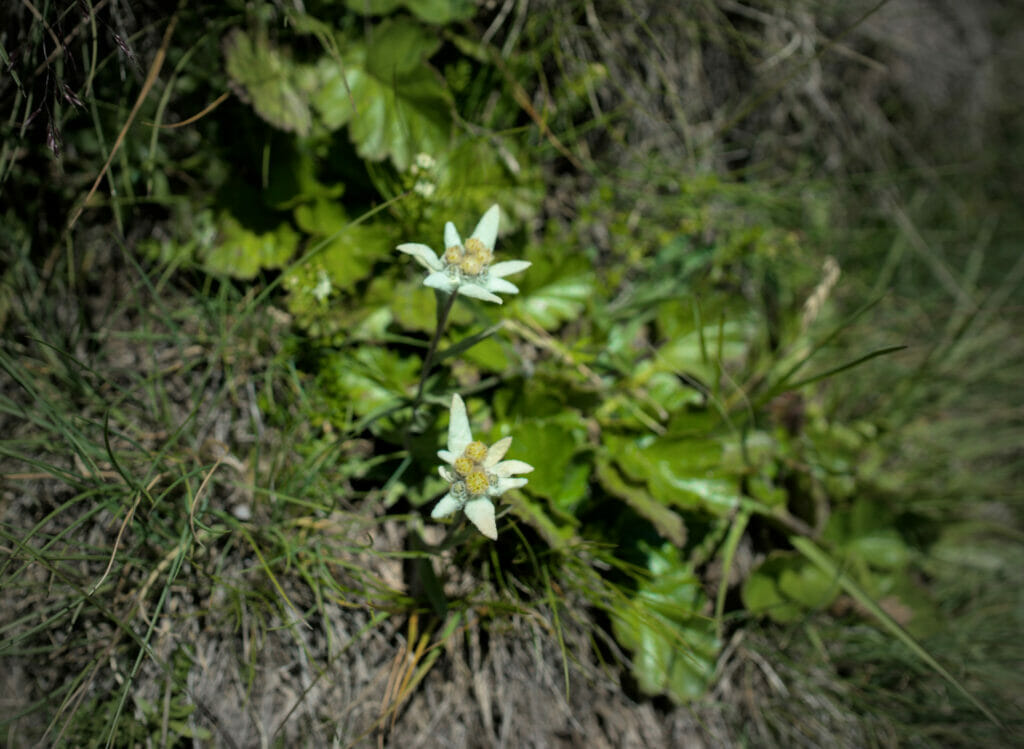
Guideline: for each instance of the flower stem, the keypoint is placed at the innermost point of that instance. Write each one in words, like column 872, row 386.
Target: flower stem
column 428, row 361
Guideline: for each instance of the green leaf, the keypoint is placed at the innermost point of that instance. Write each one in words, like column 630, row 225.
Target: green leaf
column 786, row 586
column 473, row 176
column 552, row 293
column 764, row 491
column 292, row 175
column 682, row 471
column 557, row 302
column 667, row 522
column 489, row 355
column 400, row 47
column 241, row 253
column 865, row 532
column 808, row 586
column 349, row 250
column 882, row 549
column 543, row 396
column 674, row 647
column 533, row 514
column 393, row 103
column 432, row 11
column 321, row 217
column 365, row 380
column 670, row 393
column 575, row 485
column 550, row 447
column 373, row 7
column 266, row 77
column 467, row 344
column 413, row 307
column 761, row 595
column 686, row 354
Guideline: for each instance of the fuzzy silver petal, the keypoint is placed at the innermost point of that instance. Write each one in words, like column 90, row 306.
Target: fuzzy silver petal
column 505, row 484
column 500, row 284
column 508, row 267
column 442, row 281
column 478, row 292
column 445, row 507
column 487, row 229
column 510, row 467
column 423, row 255
column 451, row 236
column 481, row 514
column 497, row 451
column 459, row 434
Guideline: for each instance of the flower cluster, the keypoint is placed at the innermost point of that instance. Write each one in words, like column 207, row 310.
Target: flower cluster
column 422, row 170
column 466, row 268
column 475, row 473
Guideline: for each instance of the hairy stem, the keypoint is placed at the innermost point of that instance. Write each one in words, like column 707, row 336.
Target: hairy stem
column 428, row 361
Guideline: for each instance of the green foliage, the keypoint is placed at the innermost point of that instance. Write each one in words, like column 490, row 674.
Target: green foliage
column 663, row 518
column 242, row 253
column 557, row 289
column 865, row 533
column 392, row 101
column 431, row 11
column 163, row 722
column 679, row 471
column 555, row 445
column 345, row 250
column 269, row 80
column 686, row 413
column 786, row 586
column 471, row 175
column 673, row 643
column 362, row 382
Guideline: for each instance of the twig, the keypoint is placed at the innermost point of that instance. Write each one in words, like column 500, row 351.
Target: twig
column 154, row 71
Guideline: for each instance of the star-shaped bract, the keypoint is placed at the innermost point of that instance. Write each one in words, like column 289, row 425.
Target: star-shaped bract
column 467, row 268
column 476, row 473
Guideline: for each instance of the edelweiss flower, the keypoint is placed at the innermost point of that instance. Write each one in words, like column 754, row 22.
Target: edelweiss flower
column 477, row 473
column 466, row 268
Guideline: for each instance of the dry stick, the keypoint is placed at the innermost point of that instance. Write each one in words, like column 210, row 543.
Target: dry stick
column 154, row 71
column 205, row 111
column 117, row 541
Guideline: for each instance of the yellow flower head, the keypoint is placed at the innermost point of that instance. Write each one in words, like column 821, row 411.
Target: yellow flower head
column 478, row 483
column 453, row 255
column 476, row 451
column 463, row 465
column 469, row 268
column 476, row 473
